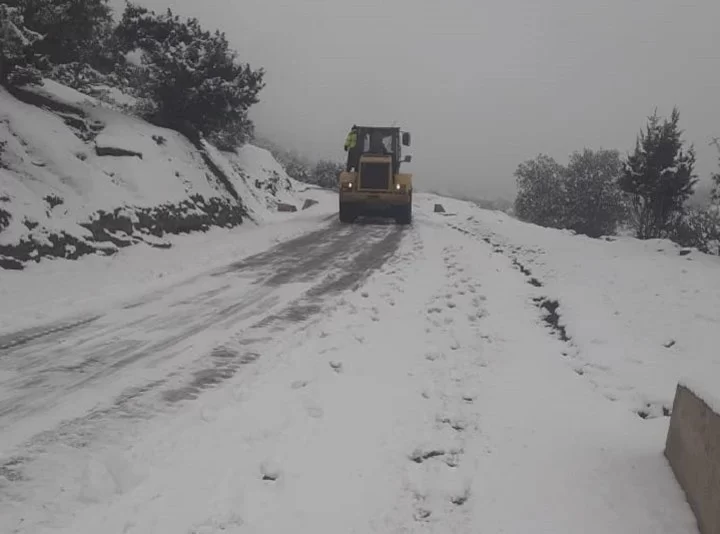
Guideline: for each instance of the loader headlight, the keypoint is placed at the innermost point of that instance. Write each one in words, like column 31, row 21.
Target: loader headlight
column 397, row 186
column 347, row 185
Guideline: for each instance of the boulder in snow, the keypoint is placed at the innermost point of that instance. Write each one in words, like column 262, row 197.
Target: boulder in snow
column 309, row 203
column 282, row 206
column 439, row 208
column 116, row 151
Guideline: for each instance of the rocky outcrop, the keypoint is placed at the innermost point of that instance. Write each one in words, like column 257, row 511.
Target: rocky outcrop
column 122, row 227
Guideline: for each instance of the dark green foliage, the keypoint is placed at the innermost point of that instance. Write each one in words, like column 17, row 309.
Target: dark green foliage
column 191, row 78
column 326, row 174
column 72, row 30
column 698, row 228
column 594, row 203
column 17, row 48
column 541, row 192
column 658, row 176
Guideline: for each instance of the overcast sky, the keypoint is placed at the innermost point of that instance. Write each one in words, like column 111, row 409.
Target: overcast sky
column 481, row 84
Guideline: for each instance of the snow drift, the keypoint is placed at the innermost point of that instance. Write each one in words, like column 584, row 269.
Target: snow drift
column 78, row 176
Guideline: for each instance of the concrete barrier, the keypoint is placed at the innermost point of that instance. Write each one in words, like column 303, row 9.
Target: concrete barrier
column 693, row 450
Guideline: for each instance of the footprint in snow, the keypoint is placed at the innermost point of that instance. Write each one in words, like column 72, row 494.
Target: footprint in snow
column 270, row 471
column 336, row 366
column 213, row 526
column 452, row 459
column 434, row 355
column 314, row 411
column 422, row 514
column 456, row 424
column 460, row 499
column 299, row 384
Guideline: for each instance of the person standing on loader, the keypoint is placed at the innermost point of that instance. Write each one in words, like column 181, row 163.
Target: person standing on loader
column 351, row 148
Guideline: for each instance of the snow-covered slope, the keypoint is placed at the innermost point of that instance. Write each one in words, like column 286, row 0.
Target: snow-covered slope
column 77, row 176
column 637, row 316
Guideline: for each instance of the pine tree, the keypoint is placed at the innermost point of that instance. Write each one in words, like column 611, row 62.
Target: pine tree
column 658, row 176
column 594, row 201
column 541, row 192
column 17, row 53
column 192, row 78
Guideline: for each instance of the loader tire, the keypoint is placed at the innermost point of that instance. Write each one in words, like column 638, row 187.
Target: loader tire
column 346, row 214
column 404, row 215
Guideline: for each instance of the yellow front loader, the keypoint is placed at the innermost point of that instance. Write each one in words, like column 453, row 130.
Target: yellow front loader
column 373, row 184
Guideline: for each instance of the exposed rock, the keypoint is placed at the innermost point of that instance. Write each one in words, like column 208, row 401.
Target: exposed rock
column 286, row 207
column 10, row 264
column 124, row 227
column 116, row 151
column 309, row 203
column 439, row 208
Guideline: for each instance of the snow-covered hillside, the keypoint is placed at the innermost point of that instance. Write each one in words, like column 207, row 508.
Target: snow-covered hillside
column 78, row 176
column 636, row 316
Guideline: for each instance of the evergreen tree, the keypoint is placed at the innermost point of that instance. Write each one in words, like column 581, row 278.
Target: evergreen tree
column 541, row 192
column 594, row 203
column 191, row 77
column 658, row 176
column 17, row 43
column 326, row 173
column 72, row 29
column 716, row 176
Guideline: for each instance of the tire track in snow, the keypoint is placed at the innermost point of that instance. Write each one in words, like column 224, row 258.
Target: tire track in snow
column 322, row 265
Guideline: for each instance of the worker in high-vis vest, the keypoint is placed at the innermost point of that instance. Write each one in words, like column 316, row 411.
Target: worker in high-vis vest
column 351, row 147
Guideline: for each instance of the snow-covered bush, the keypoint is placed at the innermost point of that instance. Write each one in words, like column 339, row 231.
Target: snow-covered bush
column 541, row 192
column 191, row 79
column 326, row 173
column 699, row 228
column 593, row 201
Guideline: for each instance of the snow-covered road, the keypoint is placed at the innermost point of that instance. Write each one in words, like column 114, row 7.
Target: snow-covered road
column 367, row 378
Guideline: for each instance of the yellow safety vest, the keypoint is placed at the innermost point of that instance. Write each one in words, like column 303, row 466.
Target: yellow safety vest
column 351, row 140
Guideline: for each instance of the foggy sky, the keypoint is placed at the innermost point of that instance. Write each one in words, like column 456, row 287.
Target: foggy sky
column 482, row 85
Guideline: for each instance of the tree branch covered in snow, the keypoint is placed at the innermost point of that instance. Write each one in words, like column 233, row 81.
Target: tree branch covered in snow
column 16, row 48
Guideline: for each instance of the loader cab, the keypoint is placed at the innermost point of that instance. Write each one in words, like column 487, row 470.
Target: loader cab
column 383, row 142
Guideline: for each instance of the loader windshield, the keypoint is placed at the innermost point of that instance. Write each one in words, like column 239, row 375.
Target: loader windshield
column 377, row 142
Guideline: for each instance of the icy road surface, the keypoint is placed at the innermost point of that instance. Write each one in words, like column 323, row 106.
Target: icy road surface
column 366, row 378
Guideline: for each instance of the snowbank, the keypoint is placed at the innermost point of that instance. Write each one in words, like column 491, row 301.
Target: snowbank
column 78, row 177
column 49, row 290
column 639, row 315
